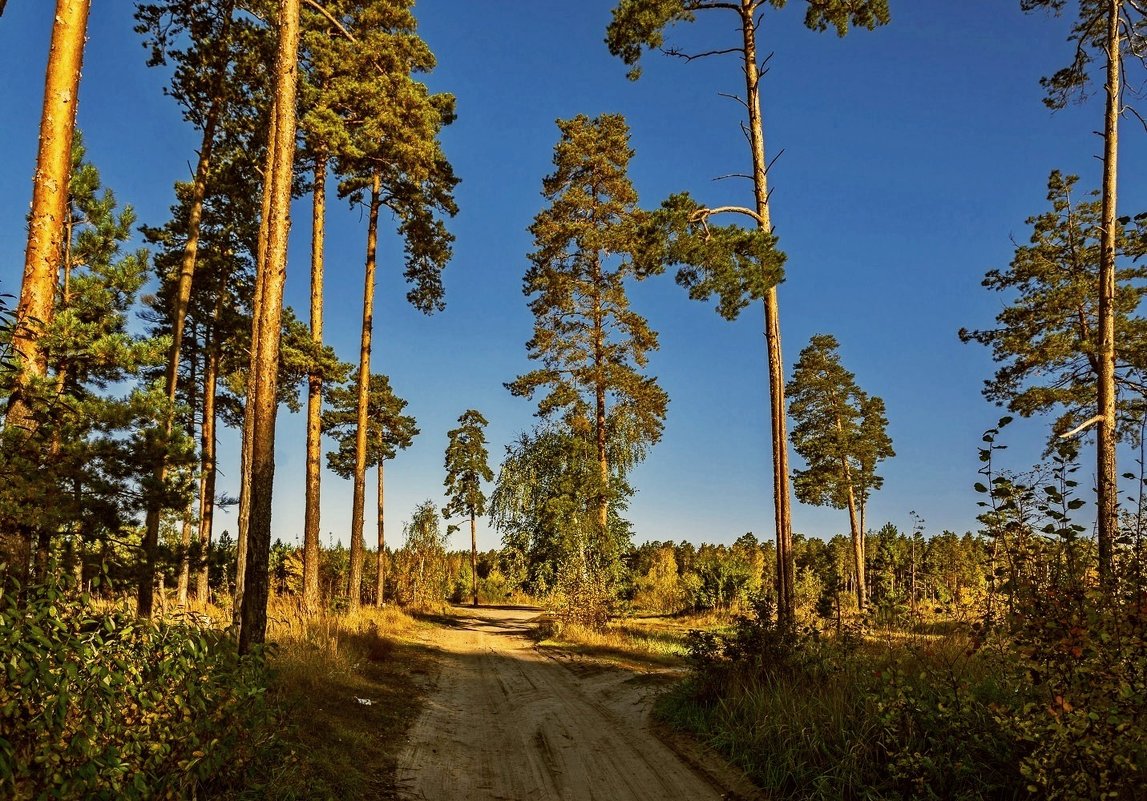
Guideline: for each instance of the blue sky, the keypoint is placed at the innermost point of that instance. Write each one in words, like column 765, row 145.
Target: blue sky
column 911, row 157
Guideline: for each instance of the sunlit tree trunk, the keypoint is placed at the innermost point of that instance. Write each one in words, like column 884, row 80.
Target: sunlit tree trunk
column 207, row 470
column 782, row 499
column 268, row 319
column 380, row 581
column 359, row 495
column 185, row 528
column 1106, row 436
column 248, row 408
column 311, row 521
column 599, row 400
column 182, row 301
column 474, row 557
column 46, row 222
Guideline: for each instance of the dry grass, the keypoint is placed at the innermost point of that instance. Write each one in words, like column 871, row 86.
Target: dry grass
column 352, row 684
column 650, row 640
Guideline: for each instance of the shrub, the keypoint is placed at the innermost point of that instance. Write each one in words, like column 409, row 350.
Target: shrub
column 99, row 704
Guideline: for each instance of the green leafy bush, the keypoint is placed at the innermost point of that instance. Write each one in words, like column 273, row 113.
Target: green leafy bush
column 95, row 703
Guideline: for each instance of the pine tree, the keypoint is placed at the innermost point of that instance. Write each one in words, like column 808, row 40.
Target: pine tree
column 466, row 468
column 46, row 221
column 82, row 471
column 388, row 431
column 840, row 433
column 1116, row 31
column 266, row 327
column 590, row 342
column 1047, row 338
column 638, row 25
column 391, row 158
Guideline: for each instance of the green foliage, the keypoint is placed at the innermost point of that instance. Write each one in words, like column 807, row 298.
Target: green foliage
column 543, row 505
column 1089, row 37
column 85, row 468
column 363, row 107
column 7, row 327
column 388, row 429
column 737, row 265
column 422, row 563
column 838, row 429
column 467, row 466
column 95, row 703
column 590, row 342
column 639, row 25
column 1045, row 340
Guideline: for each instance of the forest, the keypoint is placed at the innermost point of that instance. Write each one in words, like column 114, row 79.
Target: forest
column 206, row 590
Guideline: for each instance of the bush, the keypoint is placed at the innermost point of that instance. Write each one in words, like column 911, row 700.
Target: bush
column 99, row 704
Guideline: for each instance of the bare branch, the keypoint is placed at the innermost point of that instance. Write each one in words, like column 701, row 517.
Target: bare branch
column 331, row 19
column 733, row 97
column 733, row 175
column 780, row 153
column 687, row 57
column 1085, row 424
column 702, row 215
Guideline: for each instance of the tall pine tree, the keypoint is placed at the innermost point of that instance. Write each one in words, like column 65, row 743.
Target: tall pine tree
column 839, row 431
column 466, row 468
column 638, row 25
column 591, row 344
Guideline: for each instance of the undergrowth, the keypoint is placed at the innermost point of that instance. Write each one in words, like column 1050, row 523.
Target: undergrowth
column 95, row 703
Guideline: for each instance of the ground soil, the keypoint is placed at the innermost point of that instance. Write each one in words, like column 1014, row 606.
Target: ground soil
column 505, row 720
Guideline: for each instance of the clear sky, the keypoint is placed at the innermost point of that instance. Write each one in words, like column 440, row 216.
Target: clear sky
column 911, row 157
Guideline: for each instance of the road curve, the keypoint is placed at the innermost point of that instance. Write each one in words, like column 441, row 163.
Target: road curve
column 506, row 722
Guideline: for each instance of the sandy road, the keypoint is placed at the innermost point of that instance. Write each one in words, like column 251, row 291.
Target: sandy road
column 506, row 722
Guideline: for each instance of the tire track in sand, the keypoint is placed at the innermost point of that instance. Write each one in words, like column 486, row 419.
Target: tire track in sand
column 506, row 723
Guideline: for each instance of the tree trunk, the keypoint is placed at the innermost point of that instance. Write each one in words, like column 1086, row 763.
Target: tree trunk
column 854, row 525
column 184, row 577
column 857, row 538
column 380, row 583
column 311, row 519
column 207, row 470
column 49, row 213
column 474, row 556
column 358, row 499
column 1107, row 489
column 249, row 404
column 184, row 559
column 599, row 400
column 782, row 501
column 269, row 319
column 178, row 319
column 46, row 222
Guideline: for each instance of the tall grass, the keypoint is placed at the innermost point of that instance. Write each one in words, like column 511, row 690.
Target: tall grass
column 815, row 718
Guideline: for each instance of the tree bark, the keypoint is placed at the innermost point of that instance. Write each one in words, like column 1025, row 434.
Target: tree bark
column 184, row 577
column 269, row 322
column 474, row 556
column 380, row 583
column 1107, row 490
column 207, row 470
column 311, row 515
column 49, row 213
column 599, row 399
column 46, row 221
column 358, row 498
column 249, row 404
column 782, row 499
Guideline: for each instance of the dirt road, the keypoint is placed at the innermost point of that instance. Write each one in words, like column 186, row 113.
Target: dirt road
column 506, row 722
